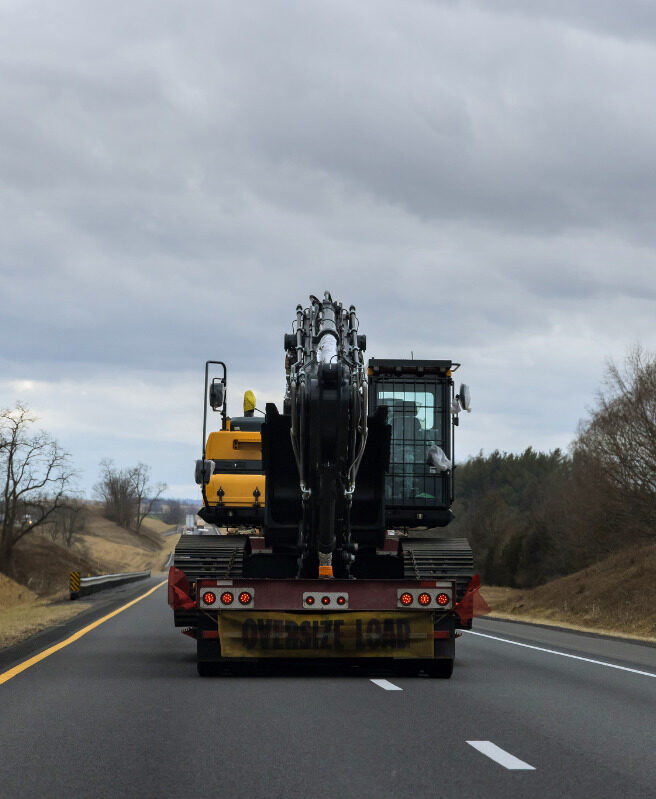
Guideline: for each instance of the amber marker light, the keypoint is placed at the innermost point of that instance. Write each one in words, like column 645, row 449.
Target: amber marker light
column 406, row 599
column 245, row 597
column 424, row 599
column 442, row 599
column 209, row 598
column 227, row 598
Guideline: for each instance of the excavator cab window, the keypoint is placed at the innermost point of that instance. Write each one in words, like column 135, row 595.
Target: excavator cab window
column 417, row 403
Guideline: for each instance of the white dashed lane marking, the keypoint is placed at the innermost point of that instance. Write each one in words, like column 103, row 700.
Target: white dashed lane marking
column 386, row 685
column 500, row 756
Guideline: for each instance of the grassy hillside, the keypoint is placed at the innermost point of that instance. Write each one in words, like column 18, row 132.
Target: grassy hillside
column 44, row 565
column 616, row 595
column 37, row 597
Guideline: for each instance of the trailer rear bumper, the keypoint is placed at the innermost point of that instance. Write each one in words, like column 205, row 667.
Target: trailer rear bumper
column 323, row 620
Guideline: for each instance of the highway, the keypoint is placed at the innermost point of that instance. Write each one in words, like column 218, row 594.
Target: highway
column 121, row 713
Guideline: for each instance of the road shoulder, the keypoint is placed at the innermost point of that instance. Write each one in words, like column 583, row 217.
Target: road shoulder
column 95, row 606
column 639, row 654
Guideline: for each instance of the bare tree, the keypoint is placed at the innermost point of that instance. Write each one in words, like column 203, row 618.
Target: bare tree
column 127, row 494
column 115, row 489
column 620, row 437
column 174, row 513
column 69, row 520
column 35, row 474
column 145, row 495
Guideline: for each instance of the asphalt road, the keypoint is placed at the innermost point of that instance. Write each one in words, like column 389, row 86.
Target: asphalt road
column 121, row 713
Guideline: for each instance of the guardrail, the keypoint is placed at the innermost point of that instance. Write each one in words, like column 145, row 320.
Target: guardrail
column 81, row 586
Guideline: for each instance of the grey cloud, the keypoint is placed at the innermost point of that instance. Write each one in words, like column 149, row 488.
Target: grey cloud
column 477, row 179
column 635, row 19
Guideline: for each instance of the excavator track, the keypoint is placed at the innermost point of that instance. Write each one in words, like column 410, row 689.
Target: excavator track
column 207, row 557
column 439, row 558
column 210, row 556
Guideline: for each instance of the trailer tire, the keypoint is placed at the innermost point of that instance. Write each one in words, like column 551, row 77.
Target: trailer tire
column 208, row 669
column 408, row 668
column 442, row 668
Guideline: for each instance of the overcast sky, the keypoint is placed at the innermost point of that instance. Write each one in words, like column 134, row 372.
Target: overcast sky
column 478, row 178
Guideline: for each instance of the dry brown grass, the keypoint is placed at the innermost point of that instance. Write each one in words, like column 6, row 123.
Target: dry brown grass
column 115, row 549
column 12, row 593
column 21, row 621
column 42, row 568
column 156, row 525
column 616, row 596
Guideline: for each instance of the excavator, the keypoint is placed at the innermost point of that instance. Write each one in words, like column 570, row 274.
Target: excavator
column 336, row 504
column 230, row 473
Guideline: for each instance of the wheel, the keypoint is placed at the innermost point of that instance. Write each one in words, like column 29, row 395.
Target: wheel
column 208, row 669
column 408, row 668
column 441, row 668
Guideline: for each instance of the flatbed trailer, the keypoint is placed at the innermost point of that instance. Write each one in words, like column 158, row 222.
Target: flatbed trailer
column 410, row 623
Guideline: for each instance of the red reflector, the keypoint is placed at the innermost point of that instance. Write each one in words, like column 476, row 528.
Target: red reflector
column 227, row 598
column 442, row 599
column 245, row 597
column 325, row 600
column 341, row 600
column 209, row 598
column 424, row 599
column 309, row 600
column 406, row 599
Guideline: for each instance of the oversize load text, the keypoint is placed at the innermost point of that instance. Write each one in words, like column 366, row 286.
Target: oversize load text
column 319, row 635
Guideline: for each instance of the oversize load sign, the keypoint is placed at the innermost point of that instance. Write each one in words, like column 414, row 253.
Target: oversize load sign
column 306, row 635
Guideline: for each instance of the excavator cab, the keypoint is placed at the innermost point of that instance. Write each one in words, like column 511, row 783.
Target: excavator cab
column 419, row 397
column 230, row 471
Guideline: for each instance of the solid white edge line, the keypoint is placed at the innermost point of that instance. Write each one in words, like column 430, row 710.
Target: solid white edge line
column 386, row 685
column 563, row 654
column 500, row 756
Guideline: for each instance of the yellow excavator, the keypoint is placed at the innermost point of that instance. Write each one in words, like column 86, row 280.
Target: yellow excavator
column 231, row 473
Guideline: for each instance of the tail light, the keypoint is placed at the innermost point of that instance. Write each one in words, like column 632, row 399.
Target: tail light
column 227, row 598
column 245, row 597
column 423, row 599
column 442, row 599
column 341, row 600
column 309, row 600
column 325, row 600
column 209, row 598
column 406, row 599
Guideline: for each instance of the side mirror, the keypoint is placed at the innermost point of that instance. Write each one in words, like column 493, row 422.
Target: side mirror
column 464, row 397
column 204, row 470
column 217, row 395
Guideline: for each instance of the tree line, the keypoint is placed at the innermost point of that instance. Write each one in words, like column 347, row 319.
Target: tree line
column 535, row 516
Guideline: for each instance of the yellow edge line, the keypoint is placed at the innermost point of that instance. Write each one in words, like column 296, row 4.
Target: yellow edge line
column 5, row 676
